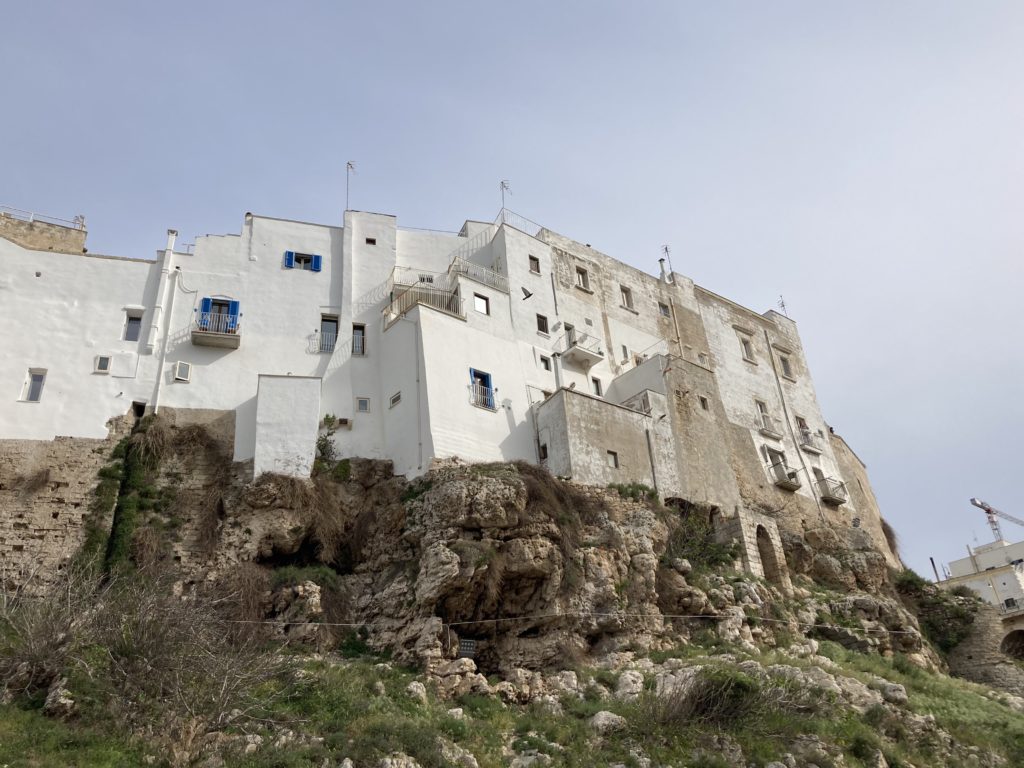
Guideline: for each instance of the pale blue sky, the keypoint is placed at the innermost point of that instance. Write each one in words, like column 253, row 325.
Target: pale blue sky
column 864, row 159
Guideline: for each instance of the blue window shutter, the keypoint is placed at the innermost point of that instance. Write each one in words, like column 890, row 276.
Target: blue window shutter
column 317, row 262
column 289, row 259
column 232, row 315
column 205, row 308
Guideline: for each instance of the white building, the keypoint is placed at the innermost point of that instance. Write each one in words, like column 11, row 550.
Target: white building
column 503, row 341
column 995, row 571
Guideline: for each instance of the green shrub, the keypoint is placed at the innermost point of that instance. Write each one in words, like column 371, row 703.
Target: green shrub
column 692, row 537
column 635, row 491
column 342, row 471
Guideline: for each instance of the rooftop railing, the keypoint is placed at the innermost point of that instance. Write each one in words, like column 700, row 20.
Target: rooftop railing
column 436, row 298
column 479, row 273
column 30, row 216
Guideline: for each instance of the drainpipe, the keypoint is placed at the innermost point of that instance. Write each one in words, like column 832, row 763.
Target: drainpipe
column 792, row 432
column 419, row 395
column 166, row 265
column 173, row 278
column 650, row 456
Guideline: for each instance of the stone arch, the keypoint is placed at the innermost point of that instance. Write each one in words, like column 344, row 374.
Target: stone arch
column 769, row 561
column 1013, row 644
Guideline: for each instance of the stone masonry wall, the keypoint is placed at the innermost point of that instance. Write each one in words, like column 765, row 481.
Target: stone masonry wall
column 46, row 488
column 980, row 658
column 41, row 236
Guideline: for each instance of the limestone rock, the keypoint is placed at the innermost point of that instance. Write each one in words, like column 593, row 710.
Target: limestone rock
column 630, row 685
column 59, row 703
column 398, row 760
column 607, row 722
column 417, row 691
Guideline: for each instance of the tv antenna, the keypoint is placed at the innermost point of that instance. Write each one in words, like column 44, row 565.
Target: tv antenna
column 667, row 253
column 350, row 168
column 505, row 187
column 782, row 305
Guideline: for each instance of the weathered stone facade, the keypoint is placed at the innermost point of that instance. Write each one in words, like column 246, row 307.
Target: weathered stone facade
column 41, row 235
column 46, row 489
column 981, row 657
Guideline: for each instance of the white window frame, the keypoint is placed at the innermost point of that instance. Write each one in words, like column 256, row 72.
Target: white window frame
column 534, row 261
column 359, row 401
column 478, row 300
column 543, row 320
column 183, row 371
column 582, row 278
column 596, row 387
column 747, row 348
column 545, row 362
column 626, row 296
column 129, row 315
column 27, row 387
column 303, row 261
column 612, row 459
column 787, row 367
column 97, row 368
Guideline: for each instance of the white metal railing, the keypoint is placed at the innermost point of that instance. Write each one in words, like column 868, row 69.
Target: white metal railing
column 810, row 440
column 478, row 272
column 483, row 396
column 436, row 298
column 358, row 344
column 523, row 224
column 585, row 341
column 17, row 213
column 328, row 342
column 217, row 322
column 833, row 489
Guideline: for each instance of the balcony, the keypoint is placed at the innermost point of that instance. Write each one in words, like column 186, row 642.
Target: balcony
column 327, row 342
column 768, row 426
column 583, row 349
column 786, row 478
column 358, row 345
column 216, row 329
column 478, row 273
column 423, row 294
column 832, row 491
column 482, row 397
column 810, row 442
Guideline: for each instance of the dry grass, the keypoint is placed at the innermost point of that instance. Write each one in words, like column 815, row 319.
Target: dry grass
column 31, row 484
column 149, row 548
column 242, row 593
column 891, row 538
column 495, row 577
column 151, row 441
column 327, row 522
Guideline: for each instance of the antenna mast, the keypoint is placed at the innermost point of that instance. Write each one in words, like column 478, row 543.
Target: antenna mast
column 505, row 187
column 350, row 168
column 667, row 252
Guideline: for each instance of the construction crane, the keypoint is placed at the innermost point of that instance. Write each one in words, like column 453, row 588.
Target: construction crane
column 991, row 513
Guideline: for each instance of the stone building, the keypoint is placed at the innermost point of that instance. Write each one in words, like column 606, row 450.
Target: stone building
column 501, row 341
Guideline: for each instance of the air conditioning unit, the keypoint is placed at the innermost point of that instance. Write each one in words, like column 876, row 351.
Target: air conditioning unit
column 344, row 423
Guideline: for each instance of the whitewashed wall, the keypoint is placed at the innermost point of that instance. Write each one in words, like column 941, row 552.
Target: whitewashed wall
column 287, row 421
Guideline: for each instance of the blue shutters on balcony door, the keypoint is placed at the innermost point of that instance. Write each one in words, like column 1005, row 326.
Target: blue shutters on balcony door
column 317, row 262
column 205, row 308
column 232, row 315
column 289, row 259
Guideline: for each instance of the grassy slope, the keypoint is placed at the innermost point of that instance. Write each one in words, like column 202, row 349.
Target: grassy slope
column 342, row 704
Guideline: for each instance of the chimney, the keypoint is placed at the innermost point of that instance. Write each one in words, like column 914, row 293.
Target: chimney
column 664, row 275
column 172, row 235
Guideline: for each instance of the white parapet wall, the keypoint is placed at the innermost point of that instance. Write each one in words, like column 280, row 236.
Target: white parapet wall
column 287, row 423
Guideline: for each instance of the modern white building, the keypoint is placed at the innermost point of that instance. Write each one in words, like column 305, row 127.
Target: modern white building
column 995, row 571
column 501, row 341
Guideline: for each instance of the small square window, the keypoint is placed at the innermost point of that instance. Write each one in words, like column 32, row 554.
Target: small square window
column 627, row 296
column 787, row 368
column 362, row 405
column 545, row 363
column 34, row 385
column 612, row 458
column 625, row 354
column 664, row 310
column 396, row 399
column 534, row 265
column 182, row 371
column 481, row 304
column 132, row 326
column 543, row 451
column 304, row 261
column 704, row 403
column 703, row 359
column 371, row 241
column 595, row 384
column 101, row 364
column 542, row 324
column 582, row 278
